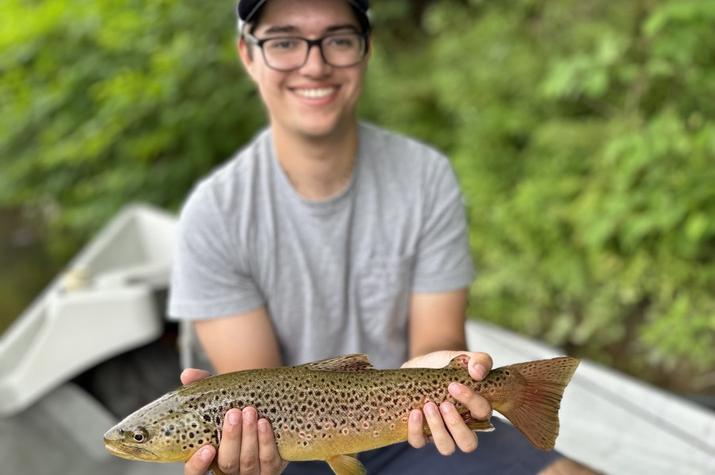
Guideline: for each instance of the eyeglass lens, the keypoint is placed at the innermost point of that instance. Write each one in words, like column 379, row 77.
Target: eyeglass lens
column 340, row 50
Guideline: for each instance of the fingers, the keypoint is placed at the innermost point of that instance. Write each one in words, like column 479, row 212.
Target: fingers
column 478, row 407
column 447, row 427
column 479, row 365
column 229, row 449
column 199, row 463
column 415, row 430
column 268, row 456
column 189, row 375
column 249, row 443
column 462, row 435
column 441, row 436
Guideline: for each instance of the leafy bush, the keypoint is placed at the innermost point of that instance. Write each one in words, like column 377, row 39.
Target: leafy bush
column 113, row 101
column 587, row 154
column 582, row 134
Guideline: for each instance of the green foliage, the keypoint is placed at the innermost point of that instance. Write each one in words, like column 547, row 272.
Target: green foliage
column 582, row 133
column 586, row 150
column 108, row 102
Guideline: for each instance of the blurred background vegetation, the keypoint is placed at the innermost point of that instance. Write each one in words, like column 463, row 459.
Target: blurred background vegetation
column 582, row 133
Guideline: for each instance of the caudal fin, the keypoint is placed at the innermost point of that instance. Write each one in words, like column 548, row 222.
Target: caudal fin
column 534, row 408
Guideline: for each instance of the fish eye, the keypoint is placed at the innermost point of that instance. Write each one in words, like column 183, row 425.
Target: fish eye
column 140, row 435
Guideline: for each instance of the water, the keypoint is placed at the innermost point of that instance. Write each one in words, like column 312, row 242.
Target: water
column 25, row 267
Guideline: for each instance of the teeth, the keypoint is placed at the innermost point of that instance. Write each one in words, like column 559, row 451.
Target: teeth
column 315, row 93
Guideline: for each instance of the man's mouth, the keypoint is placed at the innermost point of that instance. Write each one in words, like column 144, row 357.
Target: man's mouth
column 315, row 93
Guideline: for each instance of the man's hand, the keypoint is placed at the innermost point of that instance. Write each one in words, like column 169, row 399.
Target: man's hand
column 448, row 428
column 247, row 444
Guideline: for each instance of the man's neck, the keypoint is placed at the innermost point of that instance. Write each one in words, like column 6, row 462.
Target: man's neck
column 318, row 168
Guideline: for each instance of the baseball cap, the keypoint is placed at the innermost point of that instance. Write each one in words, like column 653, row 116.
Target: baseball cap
column 247, row 10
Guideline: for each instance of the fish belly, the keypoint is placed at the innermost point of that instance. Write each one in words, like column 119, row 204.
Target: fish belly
column 310, row 446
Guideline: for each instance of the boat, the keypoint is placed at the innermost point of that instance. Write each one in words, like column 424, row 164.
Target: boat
column 95, row 345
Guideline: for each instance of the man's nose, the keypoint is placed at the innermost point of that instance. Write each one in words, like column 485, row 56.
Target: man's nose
column 315, row 64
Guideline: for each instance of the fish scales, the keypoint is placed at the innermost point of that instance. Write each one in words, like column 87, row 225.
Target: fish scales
column 372, row 405
column 334, row 407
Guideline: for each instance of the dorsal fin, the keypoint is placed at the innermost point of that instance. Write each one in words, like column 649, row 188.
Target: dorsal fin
column 354, row 363
column 459, row 362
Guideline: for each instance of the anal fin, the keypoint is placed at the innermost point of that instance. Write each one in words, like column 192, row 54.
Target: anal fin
column 478, row 425
column 346, row 465
column 473, row 424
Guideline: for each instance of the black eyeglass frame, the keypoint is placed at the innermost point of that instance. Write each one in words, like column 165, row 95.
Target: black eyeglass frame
column 316, row 42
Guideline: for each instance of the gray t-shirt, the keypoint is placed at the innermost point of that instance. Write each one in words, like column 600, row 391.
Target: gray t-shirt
column 335, row 276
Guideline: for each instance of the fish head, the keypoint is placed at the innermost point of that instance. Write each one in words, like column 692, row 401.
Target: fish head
column 130, row 443
column 159, row 432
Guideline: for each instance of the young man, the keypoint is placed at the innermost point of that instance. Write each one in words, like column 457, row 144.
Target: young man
column 326, row 236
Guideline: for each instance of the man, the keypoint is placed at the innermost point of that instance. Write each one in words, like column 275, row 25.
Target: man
column 325, row 236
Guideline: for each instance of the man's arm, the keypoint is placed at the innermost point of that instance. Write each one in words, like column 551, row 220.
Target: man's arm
column 436, row 336
column 239, row 342
column 437, row 322
column 235, row 343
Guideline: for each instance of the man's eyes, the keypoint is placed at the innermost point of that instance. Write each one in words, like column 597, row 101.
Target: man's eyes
column 341, row 41
column 335, row 41
column 283, row 43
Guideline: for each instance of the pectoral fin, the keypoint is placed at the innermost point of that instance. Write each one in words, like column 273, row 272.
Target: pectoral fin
column 346, row 465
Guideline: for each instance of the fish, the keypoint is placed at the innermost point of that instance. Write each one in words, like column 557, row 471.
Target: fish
column 332, row 409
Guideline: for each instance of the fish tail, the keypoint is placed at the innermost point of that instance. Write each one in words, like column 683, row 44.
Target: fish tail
column 533, row 407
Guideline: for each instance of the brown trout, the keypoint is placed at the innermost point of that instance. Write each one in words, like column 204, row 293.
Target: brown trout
column 332, row 409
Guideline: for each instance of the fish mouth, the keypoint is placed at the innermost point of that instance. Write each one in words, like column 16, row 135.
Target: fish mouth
column 130, row 452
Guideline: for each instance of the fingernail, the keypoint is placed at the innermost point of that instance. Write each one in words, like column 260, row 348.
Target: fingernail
column 445, row 407
column 205, row 454
column 415, row 416
column 430, row 408
column 263, row 425
column 249, row 413
column 233, row 418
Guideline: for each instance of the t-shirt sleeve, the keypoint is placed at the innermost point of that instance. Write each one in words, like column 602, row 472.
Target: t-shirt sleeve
column 443, row 261
column 209, row 278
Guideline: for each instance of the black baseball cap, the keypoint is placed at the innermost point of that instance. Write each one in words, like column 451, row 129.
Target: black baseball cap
column 247, row 10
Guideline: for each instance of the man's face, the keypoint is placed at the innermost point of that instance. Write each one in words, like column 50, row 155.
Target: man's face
column 315, row 100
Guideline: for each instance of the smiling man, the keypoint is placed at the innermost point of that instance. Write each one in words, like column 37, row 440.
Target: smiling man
column 326, row 236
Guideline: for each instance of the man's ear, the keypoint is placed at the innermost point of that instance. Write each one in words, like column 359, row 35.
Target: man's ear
column 247, row 56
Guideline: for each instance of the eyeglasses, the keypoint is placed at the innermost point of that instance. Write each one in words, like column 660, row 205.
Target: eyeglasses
column 287, row 53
